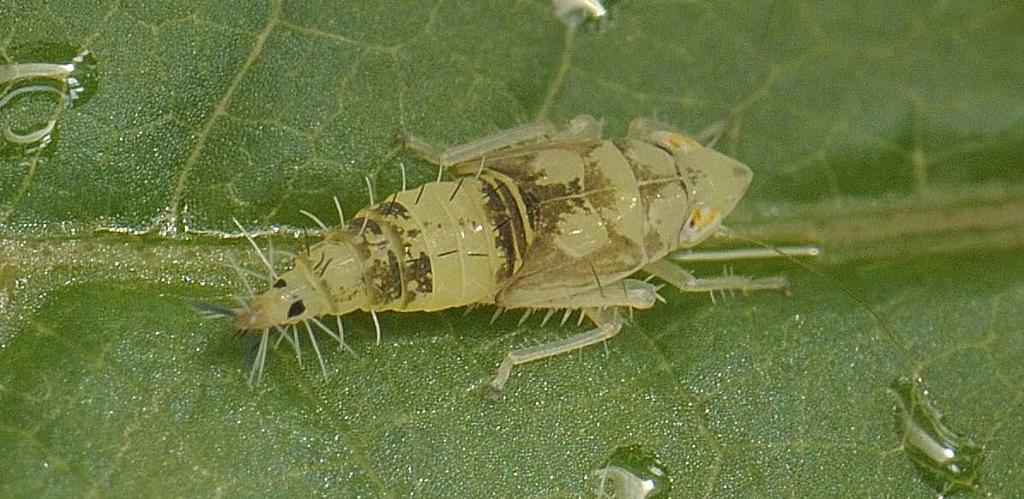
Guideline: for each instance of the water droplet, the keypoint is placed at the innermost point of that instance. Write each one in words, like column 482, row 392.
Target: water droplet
column 633, row 472
column 575, row 13
column 949, row 462
column 36, row 87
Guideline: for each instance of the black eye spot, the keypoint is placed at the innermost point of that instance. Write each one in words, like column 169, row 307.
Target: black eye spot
column 280, row 283
column 296, row 309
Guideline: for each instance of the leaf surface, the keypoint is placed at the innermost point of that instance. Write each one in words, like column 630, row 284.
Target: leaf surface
column 890, row 135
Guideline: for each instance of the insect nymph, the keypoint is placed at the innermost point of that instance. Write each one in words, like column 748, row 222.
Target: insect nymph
column 536, row 218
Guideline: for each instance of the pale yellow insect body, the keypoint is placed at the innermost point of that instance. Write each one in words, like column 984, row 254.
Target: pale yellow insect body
column 535, row 219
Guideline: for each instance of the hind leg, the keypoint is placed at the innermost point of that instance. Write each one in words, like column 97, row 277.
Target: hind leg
column 601, row 307
column 477, row 148
column 582, row 127
column 608, row 324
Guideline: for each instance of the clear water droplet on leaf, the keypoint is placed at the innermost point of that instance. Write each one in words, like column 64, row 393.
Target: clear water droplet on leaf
column 40, row 83
column 947, row 461
column 633, row 472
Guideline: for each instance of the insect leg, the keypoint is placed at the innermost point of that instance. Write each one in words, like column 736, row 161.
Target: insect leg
column 631, row 293
column 599, row 305
column 686, row 281
column 608, row 322
column 479, row 147
column 692, row 255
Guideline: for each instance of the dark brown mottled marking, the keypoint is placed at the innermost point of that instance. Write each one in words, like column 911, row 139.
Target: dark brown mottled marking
column 356, row 224
column 420, row 271
column 515, row 217
column 546, row 204
column 384, row 280
column 500, row 217
column 599, row 188
column 394, row 209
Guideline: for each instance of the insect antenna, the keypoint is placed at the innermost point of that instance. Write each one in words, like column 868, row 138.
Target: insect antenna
column 259, row 252
column 401, row 167
column 790, row 253
column 316, row 348
column 440, row 172
column 376, row 324
column 211, row 310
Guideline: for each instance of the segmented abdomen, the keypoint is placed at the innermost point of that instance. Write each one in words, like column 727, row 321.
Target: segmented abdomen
column 444, row 244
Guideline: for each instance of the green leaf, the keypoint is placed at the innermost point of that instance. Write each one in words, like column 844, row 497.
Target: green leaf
column 890, row 134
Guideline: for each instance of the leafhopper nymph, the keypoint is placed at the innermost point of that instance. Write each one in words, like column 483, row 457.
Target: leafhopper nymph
column 537, row 218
